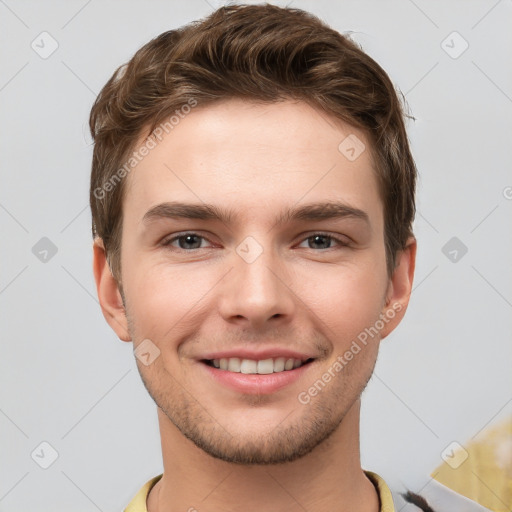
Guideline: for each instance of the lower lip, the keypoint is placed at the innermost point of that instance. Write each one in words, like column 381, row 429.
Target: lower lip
column 255, row 383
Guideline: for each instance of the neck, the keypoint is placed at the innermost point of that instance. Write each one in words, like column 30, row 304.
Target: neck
column 328, row 478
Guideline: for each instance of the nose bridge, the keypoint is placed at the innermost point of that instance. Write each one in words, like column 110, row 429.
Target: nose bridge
column 258, row 278
column 255, row 289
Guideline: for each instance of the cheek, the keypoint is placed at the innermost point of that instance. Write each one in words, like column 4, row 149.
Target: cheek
column 164, row 297
column 344, row 301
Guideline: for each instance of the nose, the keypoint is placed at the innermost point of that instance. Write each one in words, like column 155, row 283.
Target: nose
column 256, row 293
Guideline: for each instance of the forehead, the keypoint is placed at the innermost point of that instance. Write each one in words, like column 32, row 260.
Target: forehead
column 255, row 157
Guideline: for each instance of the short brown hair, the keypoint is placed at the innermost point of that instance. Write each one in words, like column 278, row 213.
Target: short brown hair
column 260, row 53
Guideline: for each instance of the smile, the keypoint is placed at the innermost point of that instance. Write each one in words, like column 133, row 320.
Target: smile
column 261, row 367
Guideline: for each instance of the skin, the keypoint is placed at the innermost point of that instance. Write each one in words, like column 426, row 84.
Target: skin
column 227, row 450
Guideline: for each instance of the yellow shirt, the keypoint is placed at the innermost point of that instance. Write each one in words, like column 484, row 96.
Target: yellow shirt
column 138, row 504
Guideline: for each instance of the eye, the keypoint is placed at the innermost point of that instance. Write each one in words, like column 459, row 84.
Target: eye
column 186, row 241
column 192, row 241
column 324, row 241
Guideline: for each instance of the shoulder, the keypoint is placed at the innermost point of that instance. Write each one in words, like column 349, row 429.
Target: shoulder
column 138, row 503
column 434, row 497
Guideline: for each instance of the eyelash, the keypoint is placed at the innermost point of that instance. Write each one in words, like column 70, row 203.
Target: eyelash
column 169, row 241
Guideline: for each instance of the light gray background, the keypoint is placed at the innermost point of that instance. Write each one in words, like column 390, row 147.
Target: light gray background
column 67, row 380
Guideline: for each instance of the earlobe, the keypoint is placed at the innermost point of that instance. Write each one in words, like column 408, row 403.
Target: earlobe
column 109, row 295
column 400, row 287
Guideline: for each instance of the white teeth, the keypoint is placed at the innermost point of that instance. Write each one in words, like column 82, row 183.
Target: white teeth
column 249, row 366
column 266, row 366
column 279, row 364
column 261, row 367
column 234, row 364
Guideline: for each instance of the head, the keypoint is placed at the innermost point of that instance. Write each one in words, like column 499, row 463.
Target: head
column 255, row 115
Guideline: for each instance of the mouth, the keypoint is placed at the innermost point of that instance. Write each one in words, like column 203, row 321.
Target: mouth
column 262, row 372
column 257, row 367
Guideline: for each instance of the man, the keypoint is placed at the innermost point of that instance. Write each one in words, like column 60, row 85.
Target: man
column 252, row 194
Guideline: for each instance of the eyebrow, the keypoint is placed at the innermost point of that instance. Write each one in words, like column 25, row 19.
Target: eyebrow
column 309, row 212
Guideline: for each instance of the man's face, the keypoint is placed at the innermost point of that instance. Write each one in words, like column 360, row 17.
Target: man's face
column 257, row 284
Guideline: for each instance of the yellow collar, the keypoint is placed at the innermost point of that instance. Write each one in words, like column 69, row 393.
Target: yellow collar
column 138, row 503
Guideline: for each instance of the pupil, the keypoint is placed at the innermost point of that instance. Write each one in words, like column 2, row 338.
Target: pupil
column 187, row 239
column 325, row 238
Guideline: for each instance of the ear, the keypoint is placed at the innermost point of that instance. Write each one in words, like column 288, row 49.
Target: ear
column 399, row 288
column 108, row 292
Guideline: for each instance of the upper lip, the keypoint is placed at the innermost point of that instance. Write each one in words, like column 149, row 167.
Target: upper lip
column 268, row 353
